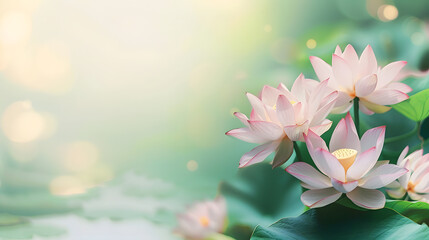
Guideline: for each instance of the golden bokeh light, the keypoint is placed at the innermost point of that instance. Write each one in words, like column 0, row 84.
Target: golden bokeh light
column 80, row 156
column 387, row 13
column 45, row 68
column 15, row 28
column 192, row 165
column 21, row 123
column 67, row 185
column 311, row 43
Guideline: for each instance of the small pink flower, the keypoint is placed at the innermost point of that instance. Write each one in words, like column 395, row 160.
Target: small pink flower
column 202, row 219
column 416, row 182
column 363, row 78
column 349, row 166
column 280, row 116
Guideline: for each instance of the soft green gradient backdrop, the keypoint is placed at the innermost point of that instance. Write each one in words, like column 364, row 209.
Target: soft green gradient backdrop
column 149, row 86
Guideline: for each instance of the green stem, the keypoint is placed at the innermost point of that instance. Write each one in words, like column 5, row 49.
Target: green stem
column 419, row 128
column 297, row 152
column 404, row 136
column 356, row 114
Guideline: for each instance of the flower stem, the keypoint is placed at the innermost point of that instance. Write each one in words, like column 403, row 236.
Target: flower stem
column 419, row 128
column 404, row 136
column 297, row 152
column 356, row 115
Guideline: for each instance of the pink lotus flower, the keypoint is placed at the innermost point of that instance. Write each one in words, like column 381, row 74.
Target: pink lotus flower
column 363, row 78
column 202, row 220
column 280, row 116
column 416, row 182
column 349, row 166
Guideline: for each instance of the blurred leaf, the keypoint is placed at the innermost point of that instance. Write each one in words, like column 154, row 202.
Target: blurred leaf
column 239, row 232
column 261, row 194
column 424, row 129
column 29, row 231
column 339, row 222
column 35, row 204
column 416, row 211
column 424, row 62
column 416, row 107
column 218, row 236
column 10, row 220
column 345, row 201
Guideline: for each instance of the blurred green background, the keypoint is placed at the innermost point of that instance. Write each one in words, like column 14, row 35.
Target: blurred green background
column 113, row 113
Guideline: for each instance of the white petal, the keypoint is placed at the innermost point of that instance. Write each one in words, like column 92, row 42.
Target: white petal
column 342, row 72
column 285, row 112
column 257, row 105
column 402, row 156
column 243, row 118
column 382, row 176
column 373, row 107
column 344, row 187
column 320, row 197
column 324, row 110
column 413, row 158
column 380, row 163
column 404, row 179
column 267, row 130
column 298, row 88
column 366, row 85
column 352, row 59
column 338, row 51
column 258, row 154
column 343, row 99
column 393, row 185
column 328, row 164
column 345, row 135
column 367, row 62
column 322, row 69
column 309, row 175
column 396, row 193
column 269, row 95
column 419, row 172
column 400, row 87
column 314, row 141
column 415, row 196
column 423, row 185
column 373, row 138
column 342, row 109
column 390, row 71
column 320, row 96
column 247, row 135
column 364, row 109
column 364, row 162
column 367, row 198
column 320, row 129
column 386, row 96
column 295, row 132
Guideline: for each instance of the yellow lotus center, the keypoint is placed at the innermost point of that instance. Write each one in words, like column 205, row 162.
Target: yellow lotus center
column 346, row 156
column 291, row 102
column 204, row 221
column 410, row 186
